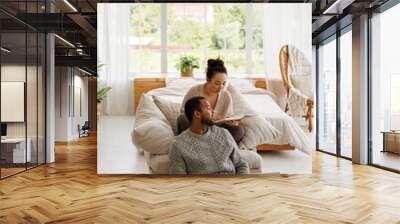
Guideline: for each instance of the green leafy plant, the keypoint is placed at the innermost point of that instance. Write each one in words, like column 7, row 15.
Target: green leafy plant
column 102, row 93
column 99, row 67
column 187, row 63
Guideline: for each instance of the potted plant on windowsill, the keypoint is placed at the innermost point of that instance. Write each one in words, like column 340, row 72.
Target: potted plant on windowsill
column 186, row 65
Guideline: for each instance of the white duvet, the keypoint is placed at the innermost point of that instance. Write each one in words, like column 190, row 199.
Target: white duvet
column 264, row 105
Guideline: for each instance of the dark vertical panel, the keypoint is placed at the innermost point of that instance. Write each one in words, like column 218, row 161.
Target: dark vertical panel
column 26, row 79
column 369, row 79
column 338, row 82
column 316, row 96
column 1, row 163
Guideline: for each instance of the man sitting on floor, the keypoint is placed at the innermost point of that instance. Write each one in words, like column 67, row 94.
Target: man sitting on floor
column 204, row 148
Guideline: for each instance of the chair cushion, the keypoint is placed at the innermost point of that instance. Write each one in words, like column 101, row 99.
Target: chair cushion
column 302, row 83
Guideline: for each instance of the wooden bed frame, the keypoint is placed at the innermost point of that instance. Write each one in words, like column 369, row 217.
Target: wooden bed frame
column 145, row 84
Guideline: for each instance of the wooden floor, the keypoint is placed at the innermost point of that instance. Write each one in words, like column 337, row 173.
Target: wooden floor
column 70, row 191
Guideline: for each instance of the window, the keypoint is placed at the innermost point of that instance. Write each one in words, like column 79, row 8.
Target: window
column 257, row 56
column 327, row 97
column 145, row 38
column 206, row 30
column 385, row 88
column 394, row 101
column 186, row 32
column 346, row 94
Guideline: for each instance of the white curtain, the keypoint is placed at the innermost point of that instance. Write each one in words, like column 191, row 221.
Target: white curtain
column 285, row 23
column 113, row 52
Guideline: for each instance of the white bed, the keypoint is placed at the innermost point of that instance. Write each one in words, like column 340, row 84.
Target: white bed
column 159, row 107
column 261, row 101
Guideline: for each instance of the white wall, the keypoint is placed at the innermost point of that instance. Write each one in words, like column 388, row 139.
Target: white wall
column 285, row 24
column 70, row 83
column 34, row 126
column 17, row 73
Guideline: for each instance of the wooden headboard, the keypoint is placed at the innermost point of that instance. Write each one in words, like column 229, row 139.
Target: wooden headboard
column 145, row 84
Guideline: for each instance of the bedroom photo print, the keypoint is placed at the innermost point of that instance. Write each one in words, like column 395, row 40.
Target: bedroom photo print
column 205, row 88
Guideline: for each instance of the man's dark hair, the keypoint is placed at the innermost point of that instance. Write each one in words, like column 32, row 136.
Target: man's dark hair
column 192, row 105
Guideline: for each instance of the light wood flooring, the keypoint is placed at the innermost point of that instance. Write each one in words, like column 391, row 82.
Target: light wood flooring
column 70, row 191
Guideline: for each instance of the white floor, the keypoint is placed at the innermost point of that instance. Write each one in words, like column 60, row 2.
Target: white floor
column 386, row 159
column 117, row 155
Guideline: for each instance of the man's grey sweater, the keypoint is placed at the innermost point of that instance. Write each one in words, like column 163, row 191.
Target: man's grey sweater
column 214, row 152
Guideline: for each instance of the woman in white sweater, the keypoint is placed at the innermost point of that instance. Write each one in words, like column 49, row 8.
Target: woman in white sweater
column 219, row 98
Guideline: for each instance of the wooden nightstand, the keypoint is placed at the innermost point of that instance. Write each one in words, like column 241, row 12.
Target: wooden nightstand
column 391, row 141
column 143, row 84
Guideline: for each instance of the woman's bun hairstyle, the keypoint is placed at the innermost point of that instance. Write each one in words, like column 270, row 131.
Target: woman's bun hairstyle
column 215, row 66
column 215, row 62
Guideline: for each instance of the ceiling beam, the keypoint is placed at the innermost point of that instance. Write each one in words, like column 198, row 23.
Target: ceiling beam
column 82, row 61
column 84, row 24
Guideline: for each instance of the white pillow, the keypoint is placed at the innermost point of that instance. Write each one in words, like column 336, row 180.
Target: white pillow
column 182, row 82
column 170, row 109
column 242, row 84
column 147, row 109
column 302, row 83
column 152, row 131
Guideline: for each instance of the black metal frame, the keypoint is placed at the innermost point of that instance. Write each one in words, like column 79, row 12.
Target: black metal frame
column 336, row 38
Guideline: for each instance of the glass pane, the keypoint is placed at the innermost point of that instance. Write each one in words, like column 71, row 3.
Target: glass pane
column 346, row 94
column 227, row 36
column 31, row 98
column 41, row 98
column 327, row 97
column 207, row 31
column 145, row 38
column 185, row 31
column 258, row 66
column 13, row 86
column 386, row 89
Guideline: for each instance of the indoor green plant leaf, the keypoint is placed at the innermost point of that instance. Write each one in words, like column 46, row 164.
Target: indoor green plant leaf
column 187, row 62
column 102, row 93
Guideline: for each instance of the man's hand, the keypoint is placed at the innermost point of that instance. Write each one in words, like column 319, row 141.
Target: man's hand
column 231, row 123
column 217, row 117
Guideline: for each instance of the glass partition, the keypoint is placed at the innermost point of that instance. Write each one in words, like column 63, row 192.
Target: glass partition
column 346, row 94
column 31, row 98
column 327, row 97
column 14, row 145
column 22, row 67
column 41, row 87
column 385, row 88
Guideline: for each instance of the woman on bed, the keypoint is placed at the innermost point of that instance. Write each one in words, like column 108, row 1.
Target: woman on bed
column 219, row 98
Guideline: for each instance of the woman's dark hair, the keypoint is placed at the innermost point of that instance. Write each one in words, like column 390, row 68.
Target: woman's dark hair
column 215, row 66
column 192, row 105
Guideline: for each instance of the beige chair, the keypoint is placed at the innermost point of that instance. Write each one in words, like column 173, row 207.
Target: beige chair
column 297, row 86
